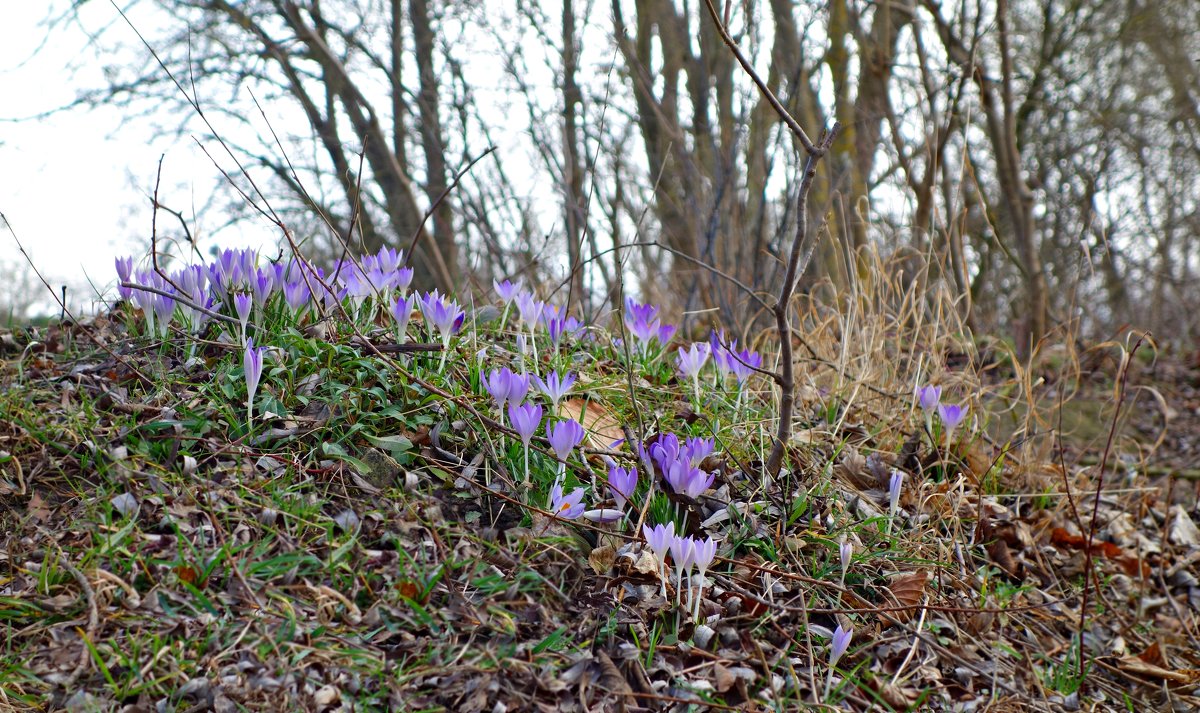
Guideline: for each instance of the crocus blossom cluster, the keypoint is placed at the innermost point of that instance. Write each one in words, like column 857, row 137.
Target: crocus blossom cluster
column 643, row 322
column 929, row 398
column 679, row 463
column 237, row 285
column 444, row 315
column 534, row 313
column 504, row 386
column 687, row 553
column 156, row 307
column 730, row 360
column 559, row 324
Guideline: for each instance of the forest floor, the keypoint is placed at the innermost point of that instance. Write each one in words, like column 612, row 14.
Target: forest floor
column 372, row 538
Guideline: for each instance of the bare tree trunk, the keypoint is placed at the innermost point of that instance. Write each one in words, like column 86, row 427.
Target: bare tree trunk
column 445, row 252
column 1017, row 194
column 574, row 204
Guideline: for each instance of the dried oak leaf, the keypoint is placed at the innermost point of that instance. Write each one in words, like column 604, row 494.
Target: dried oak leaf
column 1130, row 562
column 1136, row 666
column 896, row 696
column 602, row 558
column 907, row 590
column 1153, row 655
column 602, row 428
column 1000, row 553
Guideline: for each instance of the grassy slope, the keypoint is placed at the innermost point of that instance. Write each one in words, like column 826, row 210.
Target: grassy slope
column 371, row 542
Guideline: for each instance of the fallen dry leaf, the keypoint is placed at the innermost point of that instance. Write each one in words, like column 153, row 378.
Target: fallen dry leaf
column 1135, row 665
column 602, row 428
column 1129, row 562
column 907, row 590
column 601, row 559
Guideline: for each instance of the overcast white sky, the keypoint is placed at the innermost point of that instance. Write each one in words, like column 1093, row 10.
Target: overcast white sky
column 73, row 185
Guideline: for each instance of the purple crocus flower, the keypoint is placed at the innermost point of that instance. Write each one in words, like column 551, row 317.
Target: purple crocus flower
column 659, row 541
column 191, row 278
column 496, row 384
column 444, row 315
column 529, row 308
column 164, row 309
column 659, row 538
column 837, row 648
column 691, row 360
column 564, row 436
column 567, row 507
column 559, row 324
column 505, row 386
column 355, row 285
column 402, row 279
column 720, row 350
column 683, row 553
column 952, row 415
column 686, row 479
column 846, row 553
column 895, row 484
column 192, row 282
column 261, row 285
column 730, row 360
column 401, row 312
column 278, row 272
column 386, row 259
column 507, row 290
column 705, row 551
column 743, row 363
column 221, row 273
column 555, row 387
column 641, row 319
column 622, row 482
column 644, row 324
column 144, row 299
column 242, row 303
column 124, row 267
column 839, row 644
column 665, row 451
column 525, row 419
column 928, row 397
column 252, row 366
column 295, row 293
column 697, row 449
